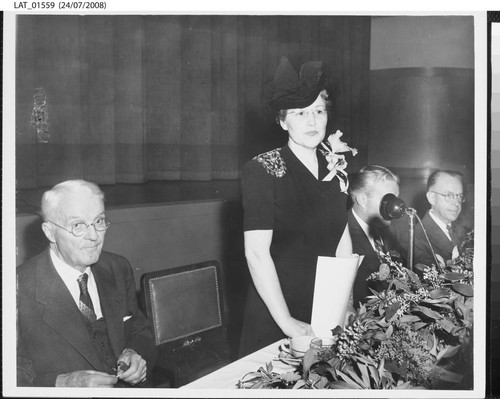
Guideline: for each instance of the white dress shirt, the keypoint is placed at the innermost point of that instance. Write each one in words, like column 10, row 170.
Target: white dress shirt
column 70, row 277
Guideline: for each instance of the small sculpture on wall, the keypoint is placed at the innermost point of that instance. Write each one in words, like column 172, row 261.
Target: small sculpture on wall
column 40, row 116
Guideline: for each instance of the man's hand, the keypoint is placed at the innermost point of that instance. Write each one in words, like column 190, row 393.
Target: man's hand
column 136, row 371
column 86, row 378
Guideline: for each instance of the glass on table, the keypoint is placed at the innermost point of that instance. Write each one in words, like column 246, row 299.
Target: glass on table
column 323, row 346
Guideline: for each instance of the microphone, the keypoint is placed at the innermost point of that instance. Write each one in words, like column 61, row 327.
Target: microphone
column 392, row 207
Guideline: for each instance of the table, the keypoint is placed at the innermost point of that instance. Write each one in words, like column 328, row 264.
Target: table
column 227, row 377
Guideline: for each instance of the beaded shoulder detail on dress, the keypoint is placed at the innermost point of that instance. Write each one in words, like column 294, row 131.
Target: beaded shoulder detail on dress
column 272, row 162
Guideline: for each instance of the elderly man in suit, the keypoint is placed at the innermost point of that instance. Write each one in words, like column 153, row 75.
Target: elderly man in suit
column 445, row 194
column 369, row 231
column 78, row 323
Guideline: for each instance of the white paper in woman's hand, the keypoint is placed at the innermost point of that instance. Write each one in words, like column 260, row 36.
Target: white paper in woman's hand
column 332, row 291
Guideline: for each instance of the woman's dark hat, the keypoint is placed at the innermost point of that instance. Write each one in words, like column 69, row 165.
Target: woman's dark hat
column 297, row 91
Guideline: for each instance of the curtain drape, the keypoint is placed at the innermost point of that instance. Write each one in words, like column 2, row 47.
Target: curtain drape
column 132, row 98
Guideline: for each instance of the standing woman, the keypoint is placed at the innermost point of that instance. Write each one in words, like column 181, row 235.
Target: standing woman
column 291, row 216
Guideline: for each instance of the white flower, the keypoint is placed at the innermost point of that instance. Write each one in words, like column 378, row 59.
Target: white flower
column 336, row 161
column 339, row 146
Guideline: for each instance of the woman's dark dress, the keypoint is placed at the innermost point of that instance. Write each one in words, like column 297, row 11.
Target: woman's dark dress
column 308, row 217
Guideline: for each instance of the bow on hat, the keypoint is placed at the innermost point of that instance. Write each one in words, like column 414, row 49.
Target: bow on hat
column 297, row 91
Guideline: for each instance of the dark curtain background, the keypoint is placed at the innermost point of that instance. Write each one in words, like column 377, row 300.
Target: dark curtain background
column 137, row 98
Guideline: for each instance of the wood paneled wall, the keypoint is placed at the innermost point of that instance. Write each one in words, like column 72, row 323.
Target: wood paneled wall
column 179, row 97
column 422, row 101
column 161, row 236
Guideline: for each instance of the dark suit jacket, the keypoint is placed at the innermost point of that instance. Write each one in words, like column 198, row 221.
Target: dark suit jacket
column 362, row 246
column 440, row 242
column 52, row 336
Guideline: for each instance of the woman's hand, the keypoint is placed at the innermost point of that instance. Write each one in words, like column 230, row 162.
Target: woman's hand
column 265, row 278
column 294, row 328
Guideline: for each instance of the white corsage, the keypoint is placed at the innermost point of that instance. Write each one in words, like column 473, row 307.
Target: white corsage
column 336, row 161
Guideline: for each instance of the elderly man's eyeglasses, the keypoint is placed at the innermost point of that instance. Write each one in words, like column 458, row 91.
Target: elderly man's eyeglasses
column 450, row 197
column 79, row 229
column 317, row 112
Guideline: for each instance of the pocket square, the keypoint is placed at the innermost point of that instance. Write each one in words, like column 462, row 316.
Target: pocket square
column 127, row 317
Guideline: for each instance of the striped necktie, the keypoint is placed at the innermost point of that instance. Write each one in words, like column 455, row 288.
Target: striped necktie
column 379, row 243
column 377, row 239
column 85, row 304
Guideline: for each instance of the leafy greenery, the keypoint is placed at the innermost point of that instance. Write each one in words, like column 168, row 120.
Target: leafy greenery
column 415, row 333
column 267, row 378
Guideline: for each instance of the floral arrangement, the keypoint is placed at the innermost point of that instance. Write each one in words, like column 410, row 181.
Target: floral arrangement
column 336, row 161
column 415, row 333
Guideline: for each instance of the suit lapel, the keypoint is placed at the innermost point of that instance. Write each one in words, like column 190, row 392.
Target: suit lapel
column 361, row 243
column 61, row 312
column 111, row 307
column 388, row 239
column 437, row 236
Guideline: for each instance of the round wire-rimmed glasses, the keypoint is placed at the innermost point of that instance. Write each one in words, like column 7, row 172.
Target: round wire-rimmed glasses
column 79, row 229
column 449, row 197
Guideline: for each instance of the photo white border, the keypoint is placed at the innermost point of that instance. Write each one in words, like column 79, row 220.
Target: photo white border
column 8, row 205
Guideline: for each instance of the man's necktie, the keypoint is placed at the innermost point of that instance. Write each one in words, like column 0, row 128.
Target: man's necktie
column 450, row 231
column 453, row 234
column 379, row 243
column 85, row 304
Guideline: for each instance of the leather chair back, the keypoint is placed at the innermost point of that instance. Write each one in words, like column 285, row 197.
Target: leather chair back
column 185, row 307
column 183, row 301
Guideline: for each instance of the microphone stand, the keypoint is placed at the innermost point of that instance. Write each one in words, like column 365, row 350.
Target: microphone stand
column 392, row 207
column 411, row 236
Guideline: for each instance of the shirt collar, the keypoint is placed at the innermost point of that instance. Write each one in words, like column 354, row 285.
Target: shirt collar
column 67, row 272
column 70, row 275
column 362, row 223
column 442, row 225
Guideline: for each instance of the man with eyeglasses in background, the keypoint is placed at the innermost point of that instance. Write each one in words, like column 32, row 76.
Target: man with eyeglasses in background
column 445, row 194
column 78, row 323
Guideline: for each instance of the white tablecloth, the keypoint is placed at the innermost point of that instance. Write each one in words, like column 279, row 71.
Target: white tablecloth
column 227, row 377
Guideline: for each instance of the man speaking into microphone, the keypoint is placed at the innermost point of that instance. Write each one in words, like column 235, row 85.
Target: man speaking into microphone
column 369, row 231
